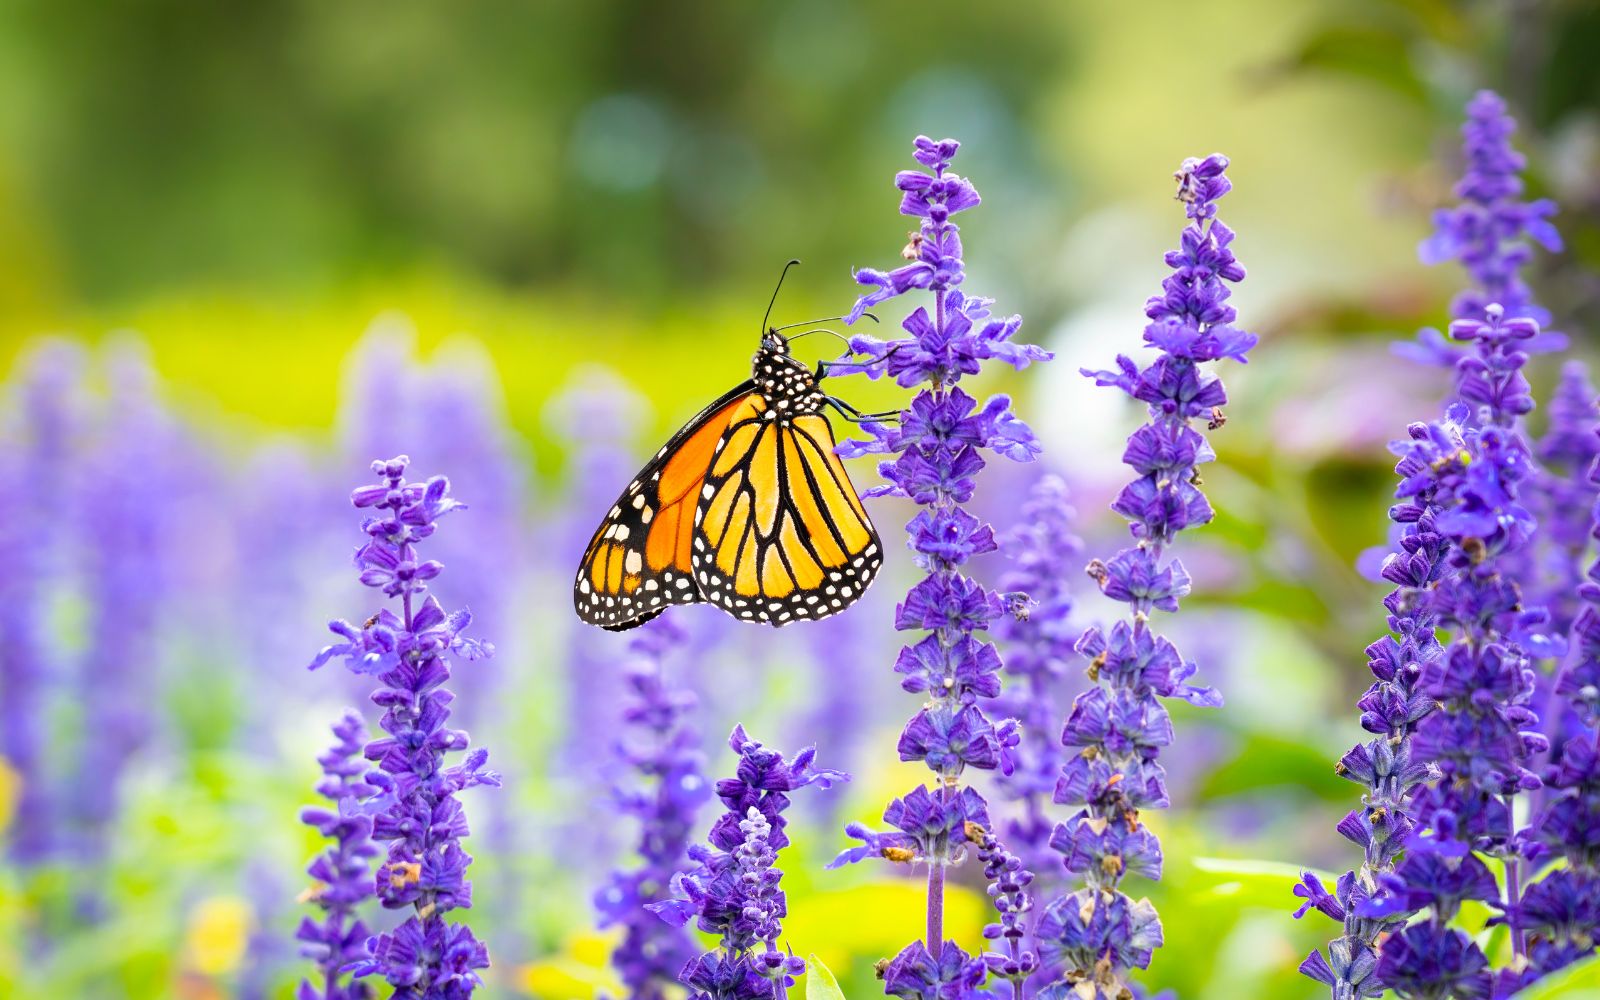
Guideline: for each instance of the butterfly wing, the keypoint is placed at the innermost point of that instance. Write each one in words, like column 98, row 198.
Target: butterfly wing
column 638, row 562
column 780, row 532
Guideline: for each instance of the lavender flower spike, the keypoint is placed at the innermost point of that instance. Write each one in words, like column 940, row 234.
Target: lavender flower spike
column 1489, row 232
column 937, row 449
column 1559, row 915
column 1118, row 728
column 663, row 791
column 415, row 807
column 1038, row 654
column 732, row 891
column 342, row 872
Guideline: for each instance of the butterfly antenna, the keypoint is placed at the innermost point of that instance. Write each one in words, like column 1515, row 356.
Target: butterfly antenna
column 825, row 319
column 774, row 300
column 834, row 334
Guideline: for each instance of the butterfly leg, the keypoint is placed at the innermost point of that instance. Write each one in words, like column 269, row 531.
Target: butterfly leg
column 855, row 416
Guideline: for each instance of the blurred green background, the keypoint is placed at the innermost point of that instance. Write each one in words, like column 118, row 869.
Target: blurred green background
column 250, row 187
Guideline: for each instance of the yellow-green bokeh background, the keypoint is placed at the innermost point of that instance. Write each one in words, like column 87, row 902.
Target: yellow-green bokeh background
column 249, row 186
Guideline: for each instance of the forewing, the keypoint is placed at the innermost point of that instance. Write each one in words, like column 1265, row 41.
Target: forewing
column 638, row 562
column 780, row 532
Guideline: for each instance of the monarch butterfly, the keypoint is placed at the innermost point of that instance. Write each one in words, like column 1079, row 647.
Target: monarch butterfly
column 746, row 507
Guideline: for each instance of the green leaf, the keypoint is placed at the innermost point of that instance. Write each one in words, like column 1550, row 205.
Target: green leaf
column 1265, row 761
column 1579, row 981
column 1248, row 881
column 820, row 984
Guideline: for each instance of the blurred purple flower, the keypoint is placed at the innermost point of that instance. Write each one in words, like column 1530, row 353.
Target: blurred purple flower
column 665, row 790
column 129, row 502
column 1488, row 232
column 1039, row 650
column 44, row 420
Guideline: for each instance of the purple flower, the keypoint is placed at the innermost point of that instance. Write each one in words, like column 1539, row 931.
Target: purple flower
column 1488, row 232
column 427, row 960
column 732, row 891
column 1116, row 729
column 342, row 874
column 1095, row 935
column 928, row 826
column 935, row 450
column 1562, row 495
column 1039, row 655
column 1431, row 962
column 1008, row 892
column 38, row 462
column 664, row 791
column 131, row 530
column 1456, row 732
column 414, row 807
column 915, row 974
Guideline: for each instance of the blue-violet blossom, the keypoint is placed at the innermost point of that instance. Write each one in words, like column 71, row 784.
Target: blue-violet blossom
column 664, row 789
column 732, row 891
column 1118, row 727
column 343, row 872
column 415, row 809
column 937, row 449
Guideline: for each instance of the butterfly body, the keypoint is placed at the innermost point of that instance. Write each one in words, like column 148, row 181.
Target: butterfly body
column 747, row 507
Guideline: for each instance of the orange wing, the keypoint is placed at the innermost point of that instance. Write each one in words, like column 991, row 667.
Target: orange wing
column 639, row 561
column 781, row 533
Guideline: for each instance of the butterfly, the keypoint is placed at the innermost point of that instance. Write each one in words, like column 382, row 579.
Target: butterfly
column 747, row 507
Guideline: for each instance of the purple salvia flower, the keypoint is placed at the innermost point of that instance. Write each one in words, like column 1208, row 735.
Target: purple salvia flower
column 1039, row 649
column 732, row 890
column 1564, row 496
column 1456, row 733
column 1451, row 744
column 1482, row 738
column 937, row 449
column 1008, row 892
column 126, row 501
column 44, row 422
column 1559, row 915
column 1118, row 728
column 415, row 809
column 1488, row 232
column 666, row 789
column 595, row 416
column 343, row 872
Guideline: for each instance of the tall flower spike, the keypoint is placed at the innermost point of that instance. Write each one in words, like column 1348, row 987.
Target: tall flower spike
column 1559, row 915
column 732, row 890
column 415, row 806
column 1455, row 733
column 1038, row 655
column 1489, row 231
column 1118, row 727
column 342, row 874
column 39, row 456
column 663, row 790
column 130, row 534
column 937, row 448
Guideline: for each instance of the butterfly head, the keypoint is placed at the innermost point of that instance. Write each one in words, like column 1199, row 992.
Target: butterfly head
column 788, row 385
column 773, row 342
